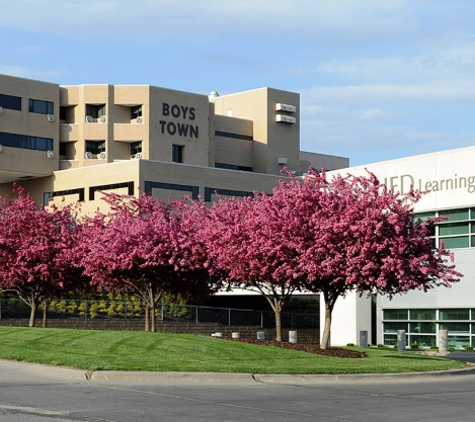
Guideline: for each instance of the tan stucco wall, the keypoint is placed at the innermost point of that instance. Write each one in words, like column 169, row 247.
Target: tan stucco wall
column 271, row 139
column 252, row 138
column 18, row 162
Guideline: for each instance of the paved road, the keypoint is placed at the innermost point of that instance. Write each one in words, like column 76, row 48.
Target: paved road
column 34, row 393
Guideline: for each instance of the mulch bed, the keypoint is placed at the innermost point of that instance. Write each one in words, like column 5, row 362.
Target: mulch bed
column 305, row 347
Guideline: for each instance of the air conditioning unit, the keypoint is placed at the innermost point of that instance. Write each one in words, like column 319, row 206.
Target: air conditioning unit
column 50, row 117
column 50, row 154
column 281, row 160
column 88, row 156
column 102, row 156
column 282, row 118
column 89, row 119
column 139, row 120
column 285, row 107
column 103, row 119
column 1, row 110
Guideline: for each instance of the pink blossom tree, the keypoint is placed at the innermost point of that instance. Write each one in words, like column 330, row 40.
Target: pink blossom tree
column 147, row 247
column 354, row 234
column 33, row 246
column 247, row 250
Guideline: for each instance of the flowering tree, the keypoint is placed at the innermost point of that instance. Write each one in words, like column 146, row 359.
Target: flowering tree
column 144, row 246
column 33, row 245
column 248, row 251
column 354, row 234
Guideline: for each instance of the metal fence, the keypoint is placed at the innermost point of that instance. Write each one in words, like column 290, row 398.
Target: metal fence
column 91, row 309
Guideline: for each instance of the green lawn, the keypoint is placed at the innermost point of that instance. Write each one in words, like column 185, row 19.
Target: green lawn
column 139, row 351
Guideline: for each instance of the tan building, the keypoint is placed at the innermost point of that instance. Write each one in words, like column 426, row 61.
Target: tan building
column 72, row 141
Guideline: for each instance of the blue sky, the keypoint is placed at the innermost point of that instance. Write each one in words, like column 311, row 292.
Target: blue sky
column 379, row 79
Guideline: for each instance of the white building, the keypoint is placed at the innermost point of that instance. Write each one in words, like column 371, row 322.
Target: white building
column 449, row 176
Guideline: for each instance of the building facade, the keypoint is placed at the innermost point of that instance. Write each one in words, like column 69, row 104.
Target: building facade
column 449, row 179
column 73, row 141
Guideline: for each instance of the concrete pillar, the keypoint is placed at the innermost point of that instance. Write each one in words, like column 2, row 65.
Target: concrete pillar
column 401, row 340
column 363, row 339
column 292, row 336
column 443, row 341
column 351, row 315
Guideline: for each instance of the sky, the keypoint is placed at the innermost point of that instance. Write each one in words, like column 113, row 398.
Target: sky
column 378, row 79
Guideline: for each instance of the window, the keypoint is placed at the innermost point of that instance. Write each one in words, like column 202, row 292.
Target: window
column 457, row 231
column 454, row 314
column 26, row 142
column 423, row 341
column 418, row 314
column 95, row 147
column 455, row 215
column 41, row 107
column 67, row 150
column 95, row 110
column 135, row 111
column 177, row 153
column 67, row 114
column 10, row 101
column 422, row 327
column 232, row 167
column 455, row 242
column 62, row 148
column 424, row 215
column 94, row 189
column 233, row 135
column 394, row 314
column 394, row 327
column 455, row 327
column 135, row 148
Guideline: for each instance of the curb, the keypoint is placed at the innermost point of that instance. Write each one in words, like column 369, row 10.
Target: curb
column 190, row 378
column 112, row 377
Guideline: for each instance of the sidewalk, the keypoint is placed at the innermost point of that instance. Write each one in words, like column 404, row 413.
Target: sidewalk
column 31, row 371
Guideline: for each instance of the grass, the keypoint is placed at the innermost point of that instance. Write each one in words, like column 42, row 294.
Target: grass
column 139, row 351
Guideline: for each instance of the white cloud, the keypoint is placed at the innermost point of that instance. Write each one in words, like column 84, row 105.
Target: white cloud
column 281, row 18
column 376, row 94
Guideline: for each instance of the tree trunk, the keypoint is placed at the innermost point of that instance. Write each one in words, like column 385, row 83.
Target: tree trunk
column 153, row 320
column 278, row 323
column 44, row 323
column 276, row 305
column 147, row 318
column 325, row 342
column 330, row 299
column 33, row 307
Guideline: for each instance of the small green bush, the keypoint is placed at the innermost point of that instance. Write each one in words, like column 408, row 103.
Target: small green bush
column 434, row 347
column 468, row 347
column 415, row 346
column 350, row 345
column 380, row 345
